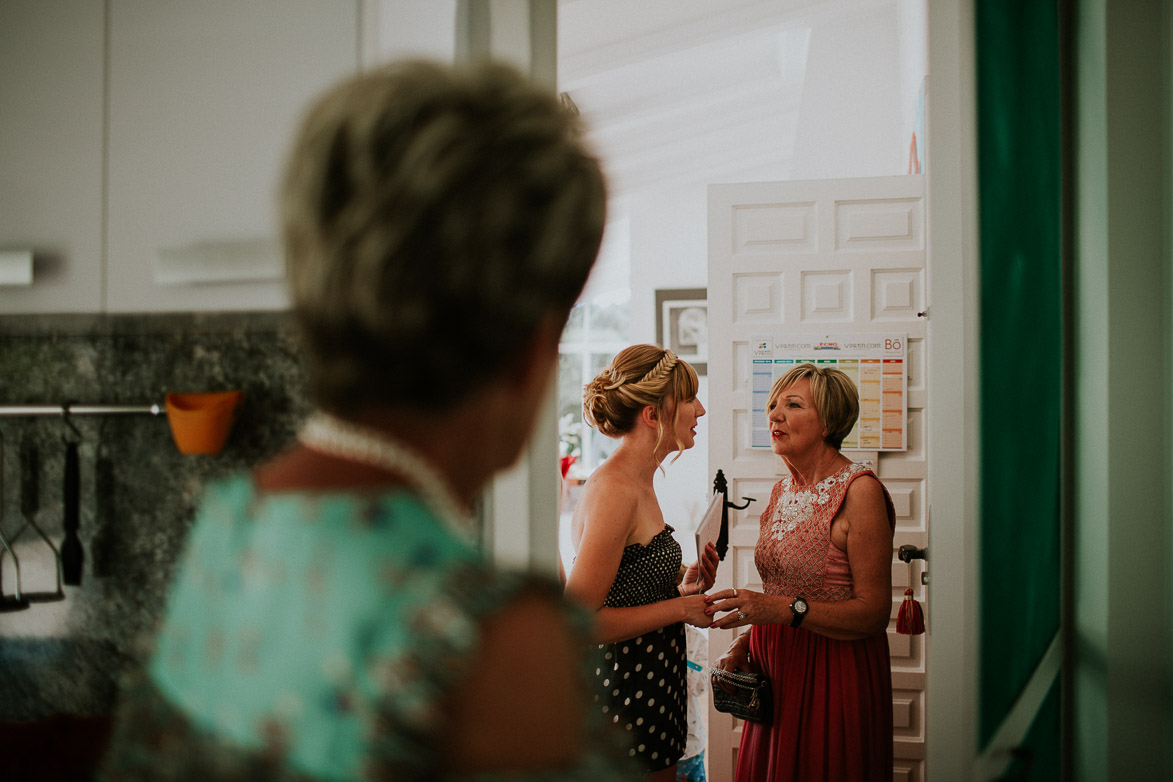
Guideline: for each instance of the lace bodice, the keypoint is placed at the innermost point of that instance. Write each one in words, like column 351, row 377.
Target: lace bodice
column 795, row 555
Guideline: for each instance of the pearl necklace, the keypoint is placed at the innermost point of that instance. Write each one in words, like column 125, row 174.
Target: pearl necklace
column 326, row 434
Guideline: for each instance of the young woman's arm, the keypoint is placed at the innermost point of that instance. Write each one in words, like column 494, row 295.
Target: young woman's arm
column 610, row 513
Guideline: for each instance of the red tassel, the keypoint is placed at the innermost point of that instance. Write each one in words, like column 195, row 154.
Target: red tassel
column 910, row 620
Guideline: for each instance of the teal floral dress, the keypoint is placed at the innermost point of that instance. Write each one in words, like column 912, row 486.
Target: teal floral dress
column 314, row 637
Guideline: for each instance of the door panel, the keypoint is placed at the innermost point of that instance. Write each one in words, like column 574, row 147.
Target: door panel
column 817, row 257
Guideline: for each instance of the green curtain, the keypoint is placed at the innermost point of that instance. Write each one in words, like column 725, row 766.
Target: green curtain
column 1040, row 757
column 1019, row 126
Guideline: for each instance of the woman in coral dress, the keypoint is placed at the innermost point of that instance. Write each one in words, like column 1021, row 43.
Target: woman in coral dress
column 818, row 630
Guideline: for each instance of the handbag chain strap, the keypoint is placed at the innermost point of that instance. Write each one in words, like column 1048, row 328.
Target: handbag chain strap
column 737, row 677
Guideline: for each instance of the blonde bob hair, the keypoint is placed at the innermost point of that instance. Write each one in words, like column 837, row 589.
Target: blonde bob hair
column 835, row 397
column 638, row 376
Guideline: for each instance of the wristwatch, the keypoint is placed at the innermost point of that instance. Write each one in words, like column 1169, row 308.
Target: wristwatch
column 799, row 608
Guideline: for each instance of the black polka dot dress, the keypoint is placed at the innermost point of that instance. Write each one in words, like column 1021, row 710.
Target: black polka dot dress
column 641, row 681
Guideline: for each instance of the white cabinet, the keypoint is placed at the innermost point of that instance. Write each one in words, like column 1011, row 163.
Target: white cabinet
column 203, row 100
column 144, row 130
column 51, row 66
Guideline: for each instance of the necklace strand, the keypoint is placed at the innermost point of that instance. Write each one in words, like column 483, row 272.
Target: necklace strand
column 326, row 434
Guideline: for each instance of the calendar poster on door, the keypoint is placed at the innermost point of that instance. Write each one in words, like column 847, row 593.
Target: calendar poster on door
column 874, row 362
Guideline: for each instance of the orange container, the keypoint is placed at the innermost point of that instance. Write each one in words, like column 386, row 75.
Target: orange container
column 200, row 423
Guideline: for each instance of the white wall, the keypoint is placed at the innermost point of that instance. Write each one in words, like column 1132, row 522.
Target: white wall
column 408, row 28
column 1123, row 576
column 851, row 118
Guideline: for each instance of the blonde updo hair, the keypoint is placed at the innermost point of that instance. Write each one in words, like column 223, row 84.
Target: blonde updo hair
column 638, row 376
column 433, row 217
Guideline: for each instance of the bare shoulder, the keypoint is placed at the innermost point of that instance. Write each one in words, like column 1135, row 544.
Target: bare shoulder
column 608, row 481
column 866, row 505
column 523, row 706
column 866, row 490
column 609, row 495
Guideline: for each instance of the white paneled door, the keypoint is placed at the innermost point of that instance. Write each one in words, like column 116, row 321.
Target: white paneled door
column 789, row 259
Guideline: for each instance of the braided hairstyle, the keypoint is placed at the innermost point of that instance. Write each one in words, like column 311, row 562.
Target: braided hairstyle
column 638, row 376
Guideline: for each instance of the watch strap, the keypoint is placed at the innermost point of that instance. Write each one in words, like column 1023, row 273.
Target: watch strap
column 796, row 615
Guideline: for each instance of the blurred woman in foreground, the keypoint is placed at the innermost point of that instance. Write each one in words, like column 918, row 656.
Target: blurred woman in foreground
column 333, row 617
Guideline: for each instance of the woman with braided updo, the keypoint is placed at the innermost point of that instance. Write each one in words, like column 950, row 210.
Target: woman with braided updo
column 628, row 566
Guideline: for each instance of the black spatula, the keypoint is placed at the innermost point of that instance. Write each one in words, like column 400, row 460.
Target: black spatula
column 72, row 555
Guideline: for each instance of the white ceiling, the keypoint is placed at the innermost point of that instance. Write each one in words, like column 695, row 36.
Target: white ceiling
column 680, row 92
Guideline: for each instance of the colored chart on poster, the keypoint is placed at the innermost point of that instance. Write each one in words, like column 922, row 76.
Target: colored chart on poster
column 876, row 363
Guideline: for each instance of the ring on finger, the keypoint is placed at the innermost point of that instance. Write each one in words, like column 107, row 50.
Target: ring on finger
column 741, row 615
column 735, row 591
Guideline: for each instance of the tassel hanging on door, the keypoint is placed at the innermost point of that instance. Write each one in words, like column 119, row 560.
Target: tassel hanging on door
column 911, row 619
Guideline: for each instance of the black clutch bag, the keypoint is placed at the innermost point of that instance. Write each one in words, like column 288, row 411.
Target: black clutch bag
column 751, row 699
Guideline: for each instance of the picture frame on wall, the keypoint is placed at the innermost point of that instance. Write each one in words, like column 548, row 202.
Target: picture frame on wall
column 682, row 324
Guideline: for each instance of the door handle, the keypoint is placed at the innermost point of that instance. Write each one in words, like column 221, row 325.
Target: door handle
column 909, row 552
column 721, row 486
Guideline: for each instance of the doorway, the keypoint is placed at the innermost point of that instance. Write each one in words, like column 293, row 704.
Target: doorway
column 681, row 94
column 684, row 94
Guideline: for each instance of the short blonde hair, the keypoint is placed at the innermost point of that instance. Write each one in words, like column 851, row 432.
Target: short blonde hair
column 638, row 376
column 433, row 216
column 835, row 397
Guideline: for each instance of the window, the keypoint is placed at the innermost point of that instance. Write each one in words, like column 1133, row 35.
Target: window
column 596, row 331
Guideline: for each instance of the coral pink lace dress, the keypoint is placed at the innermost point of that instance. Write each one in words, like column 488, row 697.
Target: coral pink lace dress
column 832, row 699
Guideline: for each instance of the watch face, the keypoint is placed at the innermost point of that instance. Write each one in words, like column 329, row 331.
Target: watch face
column 800, row 606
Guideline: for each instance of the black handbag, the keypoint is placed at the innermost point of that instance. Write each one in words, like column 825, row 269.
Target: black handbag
column 752, row 697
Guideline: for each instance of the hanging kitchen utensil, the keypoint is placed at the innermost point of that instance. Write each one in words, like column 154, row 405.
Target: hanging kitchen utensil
column 72, row 554
column 30, row 492
column 16, row 601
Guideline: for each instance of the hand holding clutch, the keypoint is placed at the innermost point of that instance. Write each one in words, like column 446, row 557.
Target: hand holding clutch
column 747, row 696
